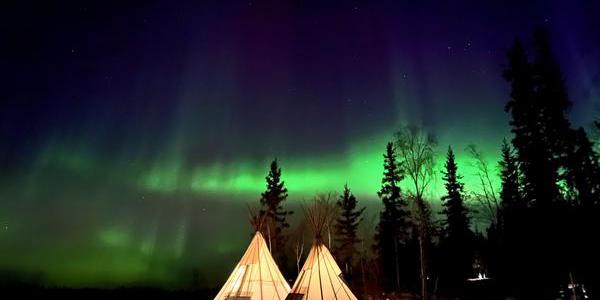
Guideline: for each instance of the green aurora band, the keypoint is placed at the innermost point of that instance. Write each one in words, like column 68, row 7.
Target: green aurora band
column 361, row 167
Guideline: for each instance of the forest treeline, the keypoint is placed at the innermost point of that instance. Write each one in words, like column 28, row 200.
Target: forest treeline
column 542, row 222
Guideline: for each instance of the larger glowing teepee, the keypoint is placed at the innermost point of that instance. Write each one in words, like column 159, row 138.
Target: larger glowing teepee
column 256, row 276
column 320, row 277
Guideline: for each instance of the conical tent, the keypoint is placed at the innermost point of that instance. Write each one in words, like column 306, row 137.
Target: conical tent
column 256, row 276
column 320, row 277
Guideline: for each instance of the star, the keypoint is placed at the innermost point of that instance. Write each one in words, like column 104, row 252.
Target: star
column 467, row 45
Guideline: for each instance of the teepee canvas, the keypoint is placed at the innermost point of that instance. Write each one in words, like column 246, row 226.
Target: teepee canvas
column 256, row 276
column 320, row 277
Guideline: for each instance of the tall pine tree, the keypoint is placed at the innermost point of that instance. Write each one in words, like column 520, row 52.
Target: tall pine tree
column 551, row 94
column 503, row 236
column 458, row 240
column 509, row 175
column 346, row 228
column 393, row 221
column 537, row 162
column 545, row 146
column 272, row 210
column 457, row 214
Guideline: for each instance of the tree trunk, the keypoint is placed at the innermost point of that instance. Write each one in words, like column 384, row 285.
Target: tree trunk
column 422, row 267
column 362, row 267
column 397, row 266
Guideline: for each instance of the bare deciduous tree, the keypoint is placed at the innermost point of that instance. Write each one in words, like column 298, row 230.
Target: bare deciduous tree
column 486, row 196
column 415, row 148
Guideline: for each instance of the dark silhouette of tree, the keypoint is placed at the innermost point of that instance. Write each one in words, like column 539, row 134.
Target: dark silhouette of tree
column 583, row 174
column 275, row 215
column 457, row 242
column 555, row 163
column 346, row 228
column 536, row 161
column 503, row 247
column 392, row 229
column 578, row 177
column 583, row 178
column 551, row 94
column 510, row 194
column 457, row 215
column 415, row 148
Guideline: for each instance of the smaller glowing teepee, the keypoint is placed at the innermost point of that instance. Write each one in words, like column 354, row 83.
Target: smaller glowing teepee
column 320, row 277
column 256, row 276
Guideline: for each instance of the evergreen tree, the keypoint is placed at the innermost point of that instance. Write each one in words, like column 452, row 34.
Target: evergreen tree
column 346, row 228
column 583, row 175
column 457, row 215
column 272, row 210
column 457, row 243
column 529, row 124
column 509, row 176
column 545, row 146
column 507, row 236
column 551, row 94
column 393, row 221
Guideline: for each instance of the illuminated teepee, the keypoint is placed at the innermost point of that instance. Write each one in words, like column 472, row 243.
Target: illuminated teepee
column 256, row 276
column 320, row 277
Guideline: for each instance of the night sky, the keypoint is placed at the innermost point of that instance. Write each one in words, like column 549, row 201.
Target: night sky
column 133, row 135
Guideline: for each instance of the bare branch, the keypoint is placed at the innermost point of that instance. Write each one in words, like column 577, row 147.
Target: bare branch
column 486, row 197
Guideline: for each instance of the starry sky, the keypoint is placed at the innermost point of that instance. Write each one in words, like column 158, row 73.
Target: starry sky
column 134, row 135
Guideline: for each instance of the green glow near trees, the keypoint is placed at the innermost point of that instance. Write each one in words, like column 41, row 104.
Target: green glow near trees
column 361, row 168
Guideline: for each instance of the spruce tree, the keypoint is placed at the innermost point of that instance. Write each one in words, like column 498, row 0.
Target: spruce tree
column 393, row 221
column 457, row 215
column 551, row 94
column 509, row 176
column 272, row 210
column 346, row 228
column 536, row 160
column 457, row 242
column 583, row 175
column 506, row 236
column 545, row 146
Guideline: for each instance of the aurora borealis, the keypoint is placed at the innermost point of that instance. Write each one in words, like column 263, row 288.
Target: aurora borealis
column 134, row 135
